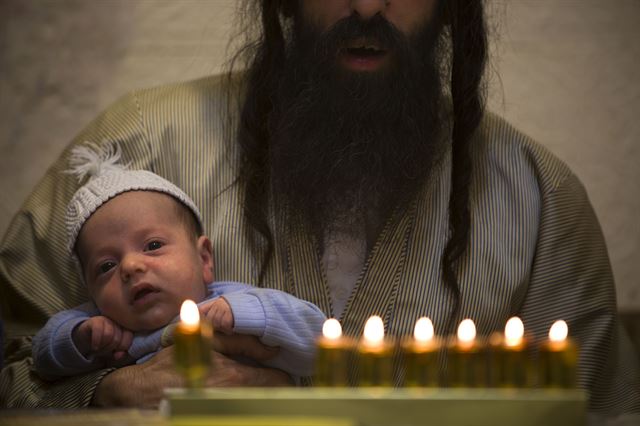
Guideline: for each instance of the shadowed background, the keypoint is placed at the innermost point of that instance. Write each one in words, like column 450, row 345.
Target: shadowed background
column 567, row 72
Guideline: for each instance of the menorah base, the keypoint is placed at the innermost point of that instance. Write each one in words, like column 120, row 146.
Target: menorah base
column 380, row 406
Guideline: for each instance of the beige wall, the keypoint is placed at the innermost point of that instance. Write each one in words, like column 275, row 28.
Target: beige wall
column 568, row 76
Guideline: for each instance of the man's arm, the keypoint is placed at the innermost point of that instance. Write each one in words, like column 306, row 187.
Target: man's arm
column 572, row 280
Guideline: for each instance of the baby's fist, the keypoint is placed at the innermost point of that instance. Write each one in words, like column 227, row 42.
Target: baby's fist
column 219, row 314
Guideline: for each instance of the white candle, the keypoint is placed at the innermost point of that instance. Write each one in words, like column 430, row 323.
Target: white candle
column 423, row 331
column 375, row 355
column 514, row 332
column 558, row 358
column 192, row 346
column 421, row 355
column 510, row 366
column 333, row 356
column 374, row 332
column 466, row 334
column 466, row 366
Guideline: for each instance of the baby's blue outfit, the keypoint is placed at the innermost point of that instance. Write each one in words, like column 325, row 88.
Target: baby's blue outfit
column 275, row 317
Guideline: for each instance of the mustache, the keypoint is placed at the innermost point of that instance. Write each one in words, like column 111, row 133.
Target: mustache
column 375, row 30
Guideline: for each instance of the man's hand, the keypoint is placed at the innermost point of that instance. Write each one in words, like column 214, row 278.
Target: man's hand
column 142, row 385
column 243, row 345
column 102, row 337
column 218, row 313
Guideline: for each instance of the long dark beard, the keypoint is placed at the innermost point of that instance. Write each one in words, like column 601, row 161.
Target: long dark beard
column 347, row 149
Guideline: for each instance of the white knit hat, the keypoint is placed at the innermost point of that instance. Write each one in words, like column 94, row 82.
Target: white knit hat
column 108, row 178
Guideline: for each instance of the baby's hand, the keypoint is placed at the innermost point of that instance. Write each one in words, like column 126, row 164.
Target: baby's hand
column 219, row 314
column 101, row 336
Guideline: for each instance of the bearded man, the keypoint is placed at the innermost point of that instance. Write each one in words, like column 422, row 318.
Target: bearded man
column 353, row 165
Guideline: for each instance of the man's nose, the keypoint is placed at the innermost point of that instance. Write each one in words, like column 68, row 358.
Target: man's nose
column 367, row 9
column 132, row 264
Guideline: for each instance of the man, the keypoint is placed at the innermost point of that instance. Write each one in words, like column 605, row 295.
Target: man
column 352, row 165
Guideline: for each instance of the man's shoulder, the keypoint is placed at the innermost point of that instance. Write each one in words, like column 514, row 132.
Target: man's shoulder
column 187, row 110
column 499, row 135
column 179, row 103
column 205, row 91
column 500, row 144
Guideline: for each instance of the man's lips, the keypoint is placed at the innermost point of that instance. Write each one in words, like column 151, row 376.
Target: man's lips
column 363, row 55
column 365, row 47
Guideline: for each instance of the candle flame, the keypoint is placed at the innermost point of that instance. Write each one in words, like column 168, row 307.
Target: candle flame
column 466, row 331
column 423, row 331
column 558, row 331
column 331, row 329
column 189, row 314
column 513, row 332
column 374, row 330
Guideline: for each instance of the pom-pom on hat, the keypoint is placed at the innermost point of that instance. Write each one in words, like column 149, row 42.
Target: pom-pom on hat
column 108, row 178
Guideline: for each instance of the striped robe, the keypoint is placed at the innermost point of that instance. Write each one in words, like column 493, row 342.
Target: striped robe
column 535, row 248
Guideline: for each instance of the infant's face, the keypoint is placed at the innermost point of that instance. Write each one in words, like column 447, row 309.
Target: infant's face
column 139, row 261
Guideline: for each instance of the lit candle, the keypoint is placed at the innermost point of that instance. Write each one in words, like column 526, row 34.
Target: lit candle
column 466, row 362
column 192, row 345
column 421, row 355
column 510, row 365
column 333, row 356
column 558, row 358
column 375, row 355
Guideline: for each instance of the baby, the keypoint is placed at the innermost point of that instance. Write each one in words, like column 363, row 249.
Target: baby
column 139, row 242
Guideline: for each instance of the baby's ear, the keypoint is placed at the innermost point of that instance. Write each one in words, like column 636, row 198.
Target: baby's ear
column 205, row 252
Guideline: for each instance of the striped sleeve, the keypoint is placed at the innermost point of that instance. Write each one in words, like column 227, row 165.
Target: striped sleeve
column 571, row 279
